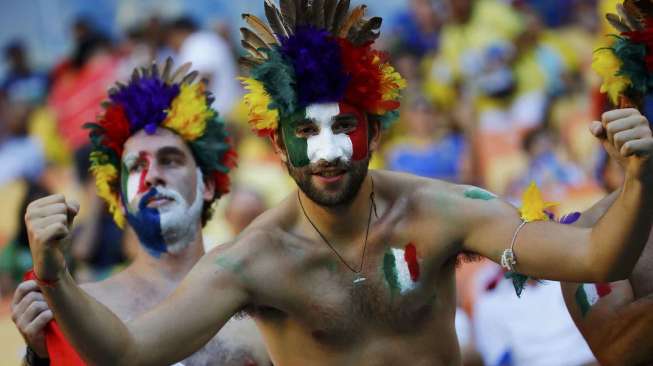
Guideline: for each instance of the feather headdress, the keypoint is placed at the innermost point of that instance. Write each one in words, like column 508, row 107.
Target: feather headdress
column 152, row 99
column 627, row 66
column 315, row 51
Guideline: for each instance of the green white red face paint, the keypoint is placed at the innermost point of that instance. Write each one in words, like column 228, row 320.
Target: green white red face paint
column 401, row 268
column 328, row 143
column 588, row 294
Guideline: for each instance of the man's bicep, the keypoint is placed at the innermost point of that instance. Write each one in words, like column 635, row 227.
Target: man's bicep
column 205, row 300
column 542, row 249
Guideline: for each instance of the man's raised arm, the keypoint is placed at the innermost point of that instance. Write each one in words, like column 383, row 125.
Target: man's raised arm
column 607, row 251
column 173, row 330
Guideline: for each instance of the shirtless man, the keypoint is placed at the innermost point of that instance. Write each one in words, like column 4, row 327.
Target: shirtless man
column 170, row 238
column 355, row 268
column 615, row 318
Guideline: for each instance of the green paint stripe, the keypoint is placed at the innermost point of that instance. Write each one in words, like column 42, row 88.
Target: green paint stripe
column 581, row 300
column 390, row 271
column 479, row 194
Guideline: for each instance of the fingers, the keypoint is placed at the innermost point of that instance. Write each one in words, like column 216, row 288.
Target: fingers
column 624, row 124
column 23, row 289
column 53, row 232
column 38, row 324
column 596, row 128
column 19, row 310
column 616, row 114
column 642, row 147
column 46, row 201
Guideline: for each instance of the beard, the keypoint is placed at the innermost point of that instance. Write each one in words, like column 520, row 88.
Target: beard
column 356, row 171
column 171, row 228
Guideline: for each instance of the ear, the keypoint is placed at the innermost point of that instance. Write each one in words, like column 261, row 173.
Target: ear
column 278, row 146
column 374, row 126
column 209, row 189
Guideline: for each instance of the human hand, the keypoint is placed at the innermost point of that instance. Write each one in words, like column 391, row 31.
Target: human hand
column 48, row 221
column 31, row 313
column 626, row 136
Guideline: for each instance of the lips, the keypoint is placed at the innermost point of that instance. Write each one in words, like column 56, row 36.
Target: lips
column 330, row 175
column 158, row 201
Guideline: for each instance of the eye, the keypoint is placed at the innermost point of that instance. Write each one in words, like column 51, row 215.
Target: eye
column 344, row 126
column 306, row 130
column 137, row 166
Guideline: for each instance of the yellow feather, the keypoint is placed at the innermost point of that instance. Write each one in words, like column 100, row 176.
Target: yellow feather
column 533, row 205
column 261, row 117
column 607, row 65
column 105, row 177
column 189, row 112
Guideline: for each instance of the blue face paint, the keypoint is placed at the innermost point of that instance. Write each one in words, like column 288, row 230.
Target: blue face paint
column 146, row 222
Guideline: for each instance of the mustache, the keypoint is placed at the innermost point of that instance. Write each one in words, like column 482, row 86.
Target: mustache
column 161, row 193
column 324, row 165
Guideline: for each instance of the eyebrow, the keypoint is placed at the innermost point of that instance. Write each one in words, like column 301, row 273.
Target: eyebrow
column 170, row 150
column 344, row 116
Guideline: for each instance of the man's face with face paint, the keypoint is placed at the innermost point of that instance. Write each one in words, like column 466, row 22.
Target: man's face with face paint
column 162, row 190
column 328, row 152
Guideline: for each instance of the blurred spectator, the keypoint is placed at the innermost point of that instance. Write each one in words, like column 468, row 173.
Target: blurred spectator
column 22, row 84
column 552, row 173
column 417, row 28
column 21, row 156
column 243, row 206
column 431, row 147
column 533, row 330
column 80, row 83
column 211, row 56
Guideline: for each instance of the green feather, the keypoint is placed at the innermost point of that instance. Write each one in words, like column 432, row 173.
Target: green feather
column 278, row 78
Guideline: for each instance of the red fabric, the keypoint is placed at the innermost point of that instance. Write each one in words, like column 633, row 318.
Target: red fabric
column 61, row 353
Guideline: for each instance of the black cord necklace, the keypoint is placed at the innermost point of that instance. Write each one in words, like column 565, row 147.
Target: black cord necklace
column 359, row 278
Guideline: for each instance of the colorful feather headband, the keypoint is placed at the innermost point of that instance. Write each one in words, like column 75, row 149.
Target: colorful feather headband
column 627, row 66
column 315, row 51
column 154, row 99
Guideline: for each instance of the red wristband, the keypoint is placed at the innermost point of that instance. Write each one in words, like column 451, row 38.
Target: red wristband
column 42, row 283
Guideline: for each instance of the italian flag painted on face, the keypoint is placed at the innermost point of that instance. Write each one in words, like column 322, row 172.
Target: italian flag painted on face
column 588, row 294
column 326, row 144
column 401, row 268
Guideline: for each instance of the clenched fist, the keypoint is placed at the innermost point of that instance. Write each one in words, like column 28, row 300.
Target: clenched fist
column 48, row 222
column 626, row 136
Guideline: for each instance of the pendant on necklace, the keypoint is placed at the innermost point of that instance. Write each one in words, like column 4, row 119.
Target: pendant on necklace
column 359, row 279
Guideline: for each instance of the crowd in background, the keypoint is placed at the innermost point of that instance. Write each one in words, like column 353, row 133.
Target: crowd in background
column 500, row 93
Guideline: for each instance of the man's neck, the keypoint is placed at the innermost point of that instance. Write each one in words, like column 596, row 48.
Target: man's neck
column 168, row 267
column 341, row 222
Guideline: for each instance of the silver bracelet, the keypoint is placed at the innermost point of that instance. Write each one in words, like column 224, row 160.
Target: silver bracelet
column 508, row 258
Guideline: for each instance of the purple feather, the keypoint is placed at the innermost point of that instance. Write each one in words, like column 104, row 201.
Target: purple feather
column 145, row 102
column 570, row 218
column 316, row 58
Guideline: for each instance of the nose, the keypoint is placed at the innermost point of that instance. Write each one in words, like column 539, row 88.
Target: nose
column 153, row 177
column 329, row 147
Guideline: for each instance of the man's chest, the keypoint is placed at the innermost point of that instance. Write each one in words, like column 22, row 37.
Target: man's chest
column 396, row 290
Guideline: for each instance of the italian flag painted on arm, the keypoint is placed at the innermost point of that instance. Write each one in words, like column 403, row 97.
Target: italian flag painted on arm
column 588, row 294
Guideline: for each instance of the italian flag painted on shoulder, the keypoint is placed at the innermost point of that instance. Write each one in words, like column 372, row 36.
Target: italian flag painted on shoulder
column 588, row 294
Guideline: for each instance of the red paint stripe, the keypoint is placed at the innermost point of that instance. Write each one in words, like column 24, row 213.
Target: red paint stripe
column 359, row 136
column 603, row 289
column 142, row 184
column 410, row 256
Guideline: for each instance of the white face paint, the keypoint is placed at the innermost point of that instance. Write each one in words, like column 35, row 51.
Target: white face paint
column 133, row 182
column 180, row 222
column 326, row 145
